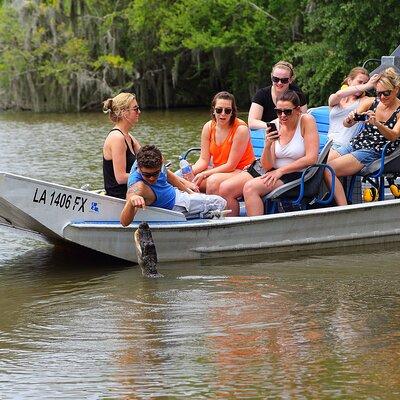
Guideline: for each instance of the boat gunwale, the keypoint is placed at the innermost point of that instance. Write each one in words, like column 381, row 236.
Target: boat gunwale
column 228, row 221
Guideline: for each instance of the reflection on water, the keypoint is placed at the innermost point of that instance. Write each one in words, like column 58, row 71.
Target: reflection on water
column 78, row 325
column 313, row 327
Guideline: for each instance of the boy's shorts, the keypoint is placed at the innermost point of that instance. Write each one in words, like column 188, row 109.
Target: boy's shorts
column 196, row 203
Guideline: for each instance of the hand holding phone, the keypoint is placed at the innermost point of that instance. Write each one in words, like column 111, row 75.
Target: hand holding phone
column 272, row 131
column 360, row 117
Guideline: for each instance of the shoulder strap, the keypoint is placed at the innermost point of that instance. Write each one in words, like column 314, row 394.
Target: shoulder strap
column 132, row 142
column 236, row 123
column 116, row 129
column 212, row 130
column 374, row 105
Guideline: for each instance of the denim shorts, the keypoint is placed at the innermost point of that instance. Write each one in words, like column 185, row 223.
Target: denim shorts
column 336, row 146
column 364, row 156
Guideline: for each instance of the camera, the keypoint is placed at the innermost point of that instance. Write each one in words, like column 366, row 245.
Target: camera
column 360, row 117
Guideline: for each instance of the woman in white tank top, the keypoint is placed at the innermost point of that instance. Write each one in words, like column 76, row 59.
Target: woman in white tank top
column 287, row 151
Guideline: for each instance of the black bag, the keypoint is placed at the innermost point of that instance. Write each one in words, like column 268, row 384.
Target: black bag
column 255, row 169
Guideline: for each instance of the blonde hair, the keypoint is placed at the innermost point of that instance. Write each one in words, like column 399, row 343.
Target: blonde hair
column 285, row 65
column 389, row 78
column 117, row 106
column 353, row 73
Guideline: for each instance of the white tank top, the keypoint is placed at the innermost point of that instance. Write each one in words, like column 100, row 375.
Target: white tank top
column 339, row 133
column 291, row 151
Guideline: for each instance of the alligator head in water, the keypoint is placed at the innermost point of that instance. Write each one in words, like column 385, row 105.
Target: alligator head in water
column 146, row 251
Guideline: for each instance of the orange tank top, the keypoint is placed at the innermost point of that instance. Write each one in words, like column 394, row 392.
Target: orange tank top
column 220, row 154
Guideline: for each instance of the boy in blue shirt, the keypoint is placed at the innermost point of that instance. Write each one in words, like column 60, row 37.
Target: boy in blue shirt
column 148, row 186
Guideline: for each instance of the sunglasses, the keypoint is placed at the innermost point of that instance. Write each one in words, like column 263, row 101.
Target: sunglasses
column 385, row 93
column 219, row 110
column 286, row 111
column 150, row 174
column 136, row 108
column 275, row 79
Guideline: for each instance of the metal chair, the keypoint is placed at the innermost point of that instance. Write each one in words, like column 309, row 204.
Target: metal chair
column 388, row 166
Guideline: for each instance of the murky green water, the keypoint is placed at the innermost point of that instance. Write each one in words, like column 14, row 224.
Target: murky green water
column 75, row 325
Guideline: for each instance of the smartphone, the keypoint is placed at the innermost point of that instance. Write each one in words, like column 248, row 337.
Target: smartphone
column 272, row 126
column 360, row 117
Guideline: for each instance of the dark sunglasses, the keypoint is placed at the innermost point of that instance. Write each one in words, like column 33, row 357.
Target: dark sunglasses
column 275, row 79
column 150, row 174
column 286, row 111
column 385, row 93
column 136, row 108
column 219, row 110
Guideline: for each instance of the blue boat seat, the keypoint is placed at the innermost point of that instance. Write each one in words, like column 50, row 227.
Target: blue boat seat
column 321, row 116
column 304, row 192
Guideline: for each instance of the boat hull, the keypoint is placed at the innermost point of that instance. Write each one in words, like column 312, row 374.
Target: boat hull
column 93, row 222
column 290, row 232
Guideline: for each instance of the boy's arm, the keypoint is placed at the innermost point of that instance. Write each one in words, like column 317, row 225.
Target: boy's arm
column 133, row 201
column 180, row 183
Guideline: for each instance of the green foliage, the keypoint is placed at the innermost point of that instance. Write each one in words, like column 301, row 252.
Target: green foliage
column 339, row 36
column 68, row 55
column 113, row 61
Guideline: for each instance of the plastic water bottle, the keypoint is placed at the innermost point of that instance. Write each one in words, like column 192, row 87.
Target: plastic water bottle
column 186, row 170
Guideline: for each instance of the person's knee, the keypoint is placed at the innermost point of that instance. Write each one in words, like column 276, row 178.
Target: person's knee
column 225, row 189
column 213, row 184
column 248, row 188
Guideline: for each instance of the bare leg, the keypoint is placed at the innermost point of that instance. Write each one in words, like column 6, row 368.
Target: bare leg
column 253, row 192
column 232, row 188
column 214, row 181
column 346, row 165
column 332, row 155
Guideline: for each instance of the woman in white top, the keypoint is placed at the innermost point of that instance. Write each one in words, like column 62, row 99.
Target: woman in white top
column 346, row 100
column 289, row 149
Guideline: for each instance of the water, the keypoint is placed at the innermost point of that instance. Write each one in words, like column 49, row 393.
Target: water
column 77, row 325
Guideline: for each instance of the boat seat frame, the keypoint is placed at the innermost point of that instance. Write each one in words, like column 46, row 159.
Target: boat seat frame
column 388, row 166
column 304, row 192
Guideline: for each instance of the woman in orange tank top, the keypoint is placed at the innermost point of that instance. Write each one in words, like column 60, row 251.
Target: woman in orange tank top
column 225, row 144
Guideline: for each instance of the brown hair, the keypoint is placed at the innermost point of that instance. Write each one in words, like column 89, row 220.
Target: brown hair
column 290, row 95
column 353, row 73
column 225, row 96
column 285, row 65
column 117, row 106
column 149, row 156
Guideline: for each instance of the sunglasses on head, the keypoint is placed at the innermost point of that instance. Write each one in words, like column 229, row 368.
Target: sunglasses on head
column 385, row 93
column 150, row 174
column 275, row 79
column 219, row 110
column 286, row 111
column 136, row 108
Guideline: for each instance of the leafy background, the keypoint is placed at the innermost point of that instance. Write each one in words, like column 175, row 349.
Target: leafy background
column 69, row 55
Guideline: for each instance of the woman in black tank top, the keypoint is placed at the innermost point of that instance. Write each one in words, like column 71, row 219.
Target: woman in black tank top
column 120, row 147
